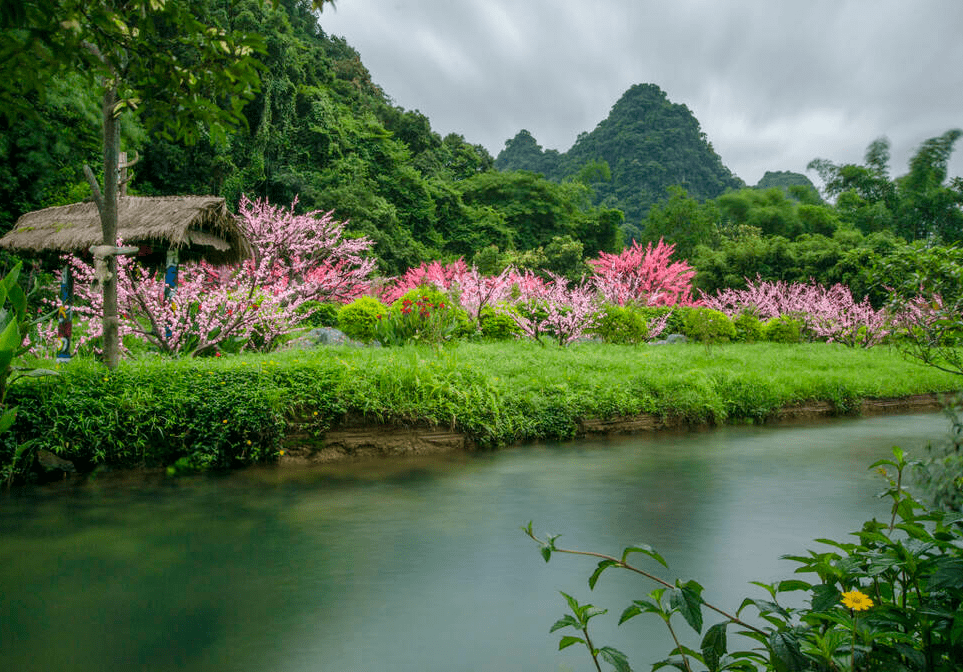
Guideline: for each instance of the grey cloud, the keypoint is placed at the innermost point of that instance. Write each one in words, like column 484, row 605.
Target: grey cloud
column 773, row 84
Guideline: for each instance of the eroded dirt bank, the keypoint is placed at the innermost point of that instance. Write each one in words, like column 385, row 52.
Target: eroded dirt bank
column 357, row 440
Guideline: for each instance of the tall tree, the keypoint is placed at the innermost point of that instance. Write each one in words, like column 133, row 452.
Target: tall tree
column 922, row 204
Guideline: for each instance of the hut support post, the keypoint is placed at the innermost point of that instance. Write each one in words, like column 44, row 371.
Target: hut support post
column 170, row 285
column 65, row 314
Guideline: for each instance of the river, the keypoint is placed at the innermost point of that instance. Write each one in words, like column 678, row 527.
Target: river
column 419, row 565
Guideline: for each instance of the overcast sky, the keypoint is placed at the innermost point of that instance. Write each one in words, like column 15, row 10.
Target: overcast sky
column 774, row 83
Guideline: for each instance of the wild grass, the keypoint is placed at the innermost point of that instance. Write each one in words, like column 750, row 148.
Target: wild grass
column 233, row 410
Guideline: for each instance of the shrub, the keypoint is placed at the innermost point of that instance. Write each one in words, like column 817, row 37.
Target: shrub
column 319, row 314
column 498, row 324
column 709, row 326
column 748, row 327
column 359, row 319
column 783, row 329
column 621, row 325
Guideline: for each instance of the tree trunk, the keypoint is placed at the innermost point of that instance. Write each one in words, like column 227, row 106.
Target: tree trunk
column 108, row 223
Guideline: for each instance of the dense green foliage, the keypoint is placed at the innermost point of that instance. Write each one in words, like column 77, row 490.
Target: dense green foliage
column 922, row 204
column 157, row 411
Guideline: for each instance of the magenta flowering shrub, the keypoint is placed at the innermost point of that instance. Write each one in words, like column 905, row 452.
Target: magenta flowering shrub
column 297, row 258
column 646, row 276
column 830, row 314
column 463, row 284
column 435, row 274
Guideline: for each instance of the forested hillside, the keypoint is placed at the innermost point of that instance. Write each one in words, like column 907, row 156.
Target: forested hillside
column 320, row 131
column 646, row 145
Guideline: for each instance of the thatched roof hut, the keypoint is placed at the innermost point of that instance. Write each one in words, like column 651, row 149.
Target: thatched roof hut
column 199, row 227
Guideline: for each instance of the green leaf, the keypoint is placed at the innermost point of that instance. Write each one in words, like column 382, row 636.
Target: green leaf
column 793, row 584
column 602, row 566
column 615, row 658
column 786, row 656
column 7, row 419
column 546, row 553
column 34, row 373
column 566, row 642
column 647, row 550
column 18, row 300
column 631, row 611
column 11, row 278
column 10, row 337
column 948, row 575
column 825, row 597
column 714, row 645
column 6, row 357
column 567, row 621
column 686, row 598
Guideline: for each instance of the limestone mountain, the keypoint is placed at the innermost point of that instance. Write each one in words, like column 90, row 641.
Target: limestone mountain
column 645, row 145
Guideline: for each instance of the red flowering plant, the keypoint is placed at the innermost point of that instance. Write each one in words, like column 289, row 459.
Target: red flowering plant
column 423, row 315
column 297, row 259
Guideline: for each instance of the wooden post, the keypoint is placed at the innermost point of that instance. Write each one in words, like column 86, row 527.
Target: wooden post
column 170, row 285
column 65, row 314
column 122, row 164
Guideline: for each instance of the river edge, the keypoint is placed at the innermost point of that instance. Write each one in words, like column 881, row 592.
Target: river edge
column 358, row 440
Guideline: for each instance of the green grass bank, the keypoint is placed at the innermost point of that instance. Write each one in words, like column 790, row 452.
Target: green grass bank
column 232, row 411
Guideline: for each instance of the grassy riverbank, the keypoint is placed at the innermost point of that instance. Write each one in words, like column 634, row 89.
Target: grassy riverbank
column 223, row 412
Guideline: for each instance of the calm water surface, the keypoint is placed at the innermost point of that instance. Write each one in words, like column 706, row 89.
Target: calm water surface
column 420, row 565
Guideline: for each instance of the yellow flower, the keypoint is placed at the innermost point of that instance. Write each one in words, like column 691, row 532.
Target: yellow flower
column 856, row 601
column 315, row 413
column 223, row 422
column 281, row 452
column 249, row 442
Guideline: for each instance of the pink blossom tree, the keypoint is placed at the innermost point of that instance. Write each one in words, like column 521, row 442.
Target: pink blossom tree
column 298, row 258
column 644, row 275
column 553, row 308
column 830, row 314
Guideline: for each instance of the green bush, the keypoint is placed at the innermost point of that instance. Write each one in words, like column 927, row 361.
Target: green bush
column 319, row 314
column 709, row 326
column 748, row 328
column 497, row 324
column 783, row 329
column 677, row 315
column 359, row 319
column 622, row 325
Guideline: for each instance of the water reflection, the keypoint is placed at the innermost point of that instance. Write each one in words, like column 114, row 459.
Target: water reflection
column 420, row 564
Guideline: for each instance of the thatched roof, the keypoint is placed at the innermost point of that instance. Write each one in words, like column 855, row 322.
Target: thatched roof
column 199, row 227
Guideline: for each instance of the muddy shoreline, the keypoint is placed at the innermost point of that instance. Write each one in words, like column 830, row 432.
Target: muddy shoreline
column 357, row 440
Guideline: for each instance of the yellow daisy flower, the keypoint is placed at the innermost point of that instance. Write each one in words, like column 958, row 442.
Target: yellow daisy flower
column 856, row 601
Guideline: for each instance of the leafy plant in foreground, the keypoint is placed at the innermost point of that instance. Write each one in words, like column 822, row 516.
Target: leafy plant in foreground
column 890, row 600
column 14, row 326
